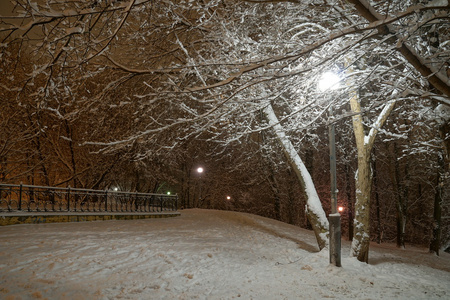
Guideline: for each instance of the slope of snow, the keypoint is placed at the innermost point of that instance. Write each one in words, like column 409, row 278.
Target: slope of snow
column 204, row 254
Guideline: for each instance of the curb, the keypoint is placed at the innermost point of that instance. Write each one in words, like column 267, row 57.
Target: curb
column 39, row 218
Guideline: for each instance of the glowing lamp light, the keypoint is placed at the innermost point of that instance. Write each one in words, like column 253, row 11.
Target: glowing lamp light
column 329, row 81
column 228, row 198
column 200, row 170
column 168, row 193
column 340, row 208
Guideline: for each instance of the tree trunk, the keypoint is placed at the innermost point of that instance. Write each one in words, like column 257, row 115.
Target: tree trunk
column 271, row 179
column 361, row 229
column 444, row 166
column 377, row 200
column 42, row 160
column 184, row 186
column 349, row 203
column 437, row 214
column 401, row 201
column 314, row 210
column 37, row 128
column 3, row 167
column 363, row 183
column 292, row 202
column 72, row 153
column 276, row 194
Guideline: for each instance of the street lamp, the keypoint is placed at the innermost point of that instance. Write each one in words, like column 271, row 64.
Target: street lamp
column 330, row 81
column 200, row 171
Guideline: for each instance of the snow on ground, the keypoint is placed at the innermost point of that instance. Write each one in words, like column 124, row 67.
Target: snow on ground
column 204, row 254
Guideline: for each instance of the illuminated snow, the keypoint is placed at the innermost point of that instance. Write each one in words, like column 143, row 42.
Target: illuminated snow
column 204, row 254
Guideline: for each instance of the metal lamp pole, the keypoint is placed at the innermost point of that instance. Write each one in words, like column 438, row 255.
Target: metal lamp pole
column 335, row 216
column 328, row 81
column 200, row 171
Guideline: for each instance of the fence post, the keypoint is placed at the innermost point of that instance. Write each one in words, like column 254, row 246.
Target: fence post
column 68, row 198
column 52, row 198
column 31, row 198
column 136, row 202
column 106, row 200
column 20, row 197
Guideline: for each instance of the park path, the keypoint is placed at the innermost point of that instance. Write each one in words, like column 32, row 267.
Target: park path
column 203, row 254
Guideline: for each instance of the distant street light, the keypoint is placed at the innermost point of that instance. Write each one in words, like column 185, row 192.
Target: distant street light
column 340, row 208
column 200, row 171
column 228, row 198
column 168, row 193
column 330, row 81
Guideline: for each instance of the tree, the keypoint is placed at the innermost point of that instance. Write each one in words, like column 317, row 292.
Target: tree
column 316, row 215
column 220, row 63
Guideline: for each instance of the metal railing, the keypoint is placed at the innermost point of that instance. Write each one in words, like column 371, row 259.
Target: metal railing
column 30, row 198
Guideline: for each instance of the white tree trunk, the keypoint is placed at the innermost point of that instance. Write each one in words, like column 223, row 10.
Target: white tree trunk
column 364, row 144
column 316, row 214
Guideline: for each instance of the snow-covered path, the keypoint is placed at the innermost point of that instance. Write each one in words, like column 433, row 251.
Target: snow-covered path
column 203, row 254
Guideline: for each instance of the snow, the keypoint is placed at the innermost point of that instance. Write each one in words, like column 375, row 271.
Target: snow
column 204, row 254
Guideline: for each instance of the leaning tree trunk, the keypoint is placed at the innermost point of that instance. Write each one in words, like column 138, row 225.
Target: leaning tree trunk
column 315, row 212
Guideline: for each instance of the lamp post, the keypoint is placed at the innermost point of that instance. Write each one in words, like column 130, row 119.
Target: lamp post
column 200, row 171
column 328, row 81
